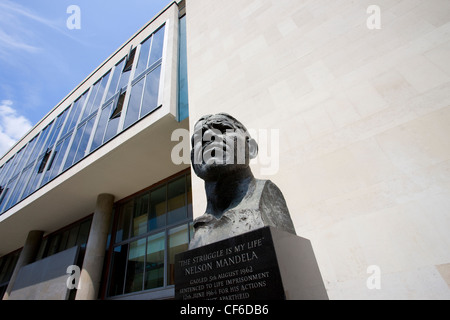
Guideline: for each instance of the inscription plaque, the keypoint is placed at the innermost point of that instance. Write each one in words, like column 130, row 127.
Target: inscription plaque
column 244, row 267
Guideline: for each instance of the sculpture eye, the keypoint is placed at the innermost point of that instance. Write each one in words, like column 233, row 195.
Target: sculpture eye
column 223, row 127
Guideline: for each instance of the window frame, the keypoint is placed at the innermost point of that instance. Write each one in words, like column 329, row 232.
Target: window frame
column 165, row 230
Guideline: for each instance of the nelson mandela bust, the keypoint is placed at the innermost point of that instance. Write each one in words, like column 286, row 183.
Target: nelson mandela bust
column 236, row 202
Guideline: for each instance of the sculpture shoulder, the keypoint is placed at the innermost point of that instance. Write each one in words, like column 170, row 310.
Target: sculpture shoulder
column 269, row 190
column 274, row 209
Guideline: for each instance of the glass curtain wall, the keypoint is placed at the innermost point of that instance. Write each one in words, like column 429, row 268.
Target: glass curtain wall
column 150, row 229
column 94, row 118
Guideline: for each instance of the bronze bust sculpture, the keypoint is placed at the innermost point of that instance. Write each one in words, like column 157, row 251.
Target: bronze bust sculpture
column 236, row 202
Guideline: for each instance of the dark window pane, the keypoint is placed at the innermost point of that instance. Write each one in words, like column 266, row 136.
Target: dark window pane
column 40, row 254
column 63, row 242
column 83, row 233
column 150, row 101
column 114, row 120
column 53, row 245
column 123, row 226
column 135, row 266
column 44, row 161
column 130, row 59
column 118, row 266
column 178, row 242
column 176, row 200
column 118, row 110
column 140, row 216
column 157, row 46
column 154, row 266
column 157, row 209
column 73, row 235
column 134, row 104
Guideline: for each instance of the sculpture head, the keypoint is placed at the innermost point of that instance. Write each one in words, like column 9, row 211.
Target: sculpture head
column 221, row 145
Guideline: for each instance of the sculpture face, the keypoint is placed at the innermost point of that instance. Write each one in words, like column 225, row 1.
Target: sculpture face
column 221, row 145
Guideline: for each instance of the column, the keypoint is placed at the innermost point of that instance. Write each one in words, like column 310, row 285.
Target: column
column 27, row 256
column 91, row 272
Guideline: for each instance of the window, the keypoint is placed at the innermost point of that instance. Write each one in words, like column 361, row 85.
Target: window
column 178, row 242
column 129, row 61
column 7, row 264
column 44, row 161
column 80, row 143
column 75, row 111
column 19, row 187
column 55, row 163
column 109, row 122
column 143, row 97
column 74, row 235
column 96, row 97
column 150, row 229
column 145, row 86
column 119, row 80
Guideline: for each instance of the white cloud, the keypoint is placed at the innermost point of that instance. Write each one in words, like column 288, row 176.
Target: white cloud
column 13, row 126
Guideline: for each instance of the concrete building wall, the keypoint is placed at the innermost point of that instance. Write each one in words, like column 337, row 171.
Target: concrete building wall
column 363, row 118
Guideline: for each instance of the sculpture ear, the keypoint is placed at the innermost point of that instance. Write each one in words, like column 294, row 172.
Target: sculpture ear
column 252, row 148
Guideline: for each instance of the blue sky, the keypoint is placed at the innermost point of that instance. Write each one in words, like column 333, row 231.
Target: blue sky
column 42, row 60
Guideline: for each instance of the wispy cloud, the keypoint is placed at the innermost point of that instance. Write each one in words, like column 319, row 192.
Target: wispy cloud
column 11, row 7
column 13, row 126
column 17, row 32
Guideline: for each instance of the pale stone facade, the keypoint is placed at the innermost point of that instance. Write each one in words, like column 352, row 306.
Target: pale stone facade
column 364, row 125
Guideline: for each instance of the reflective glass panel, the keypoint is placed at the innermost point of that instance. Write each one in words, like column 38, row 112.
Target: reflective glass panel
column 123, row 225
column 140, row 216
column 113, row 86
column 135, row 266
column 84, row 140
column 157, row 46
column 154, row 266
column 134, row 104
column 178, row 242
column 176, row 200
column 150, row 100
column 55, row 164
column 75, row 112
column 157, row 209
column 101, row 127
